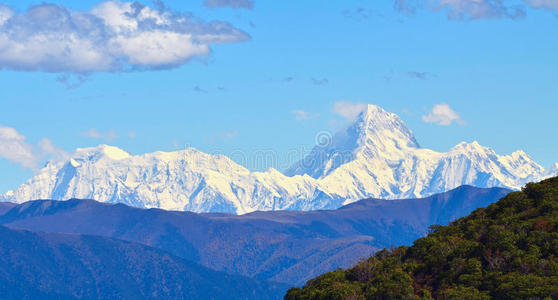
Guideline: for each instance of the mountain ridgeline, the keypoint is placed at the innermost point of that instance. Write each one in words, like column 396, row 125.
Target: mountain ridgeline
column 376, row 156
column 284, row 246
column 60, row 266
column 508, row 250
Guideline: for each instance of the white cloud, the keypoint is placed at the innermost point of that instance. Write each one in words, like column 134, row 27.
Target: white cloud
column 420, row 75
column 5, row 14
column 175, row 143
column 14, row 148
column 113, row 36
column 302, row 115
column 199, row 89
column 234, row 4
column 96, row 134
column 46, row 147
column 443, row 115
column 348, row 110
column 476, row 9
column 72, row 81
column 404, row 6
column 223, row 135
column 228, row 135
column 546, row 4
column 317, row 81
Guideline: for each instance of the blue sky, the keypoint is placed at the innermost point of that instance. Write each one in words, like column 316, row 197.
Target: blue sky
column 495, row 67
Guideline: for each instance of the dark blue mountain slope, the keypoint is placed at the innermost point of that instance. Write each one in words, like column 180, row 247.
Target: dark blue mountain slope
column 281, row 246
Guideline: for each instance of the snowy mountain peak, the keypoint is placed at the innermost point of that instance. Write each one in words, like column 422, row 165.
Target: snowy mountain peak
column 473, row 147
column 552, row 170
column 99, row 152
column 384, row 130
column 374, row 133
column 74, row 163
column 376, row 156
column 520, row 154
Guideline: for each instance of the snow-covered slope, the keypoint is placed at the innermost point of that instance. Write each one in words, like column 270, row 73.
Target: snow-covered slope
column 183, row 180
column 552, row 170
column 377, row 156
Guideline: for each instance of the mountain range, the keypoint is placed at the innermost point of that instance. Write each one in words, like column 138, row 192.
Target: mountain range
column 277, row 246
column 377, row 156
column 37, row 265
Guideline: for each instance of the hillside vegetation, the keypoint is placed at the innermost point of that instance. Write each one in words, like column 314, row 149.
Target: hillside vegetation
column 508, row 250
column 282, row 246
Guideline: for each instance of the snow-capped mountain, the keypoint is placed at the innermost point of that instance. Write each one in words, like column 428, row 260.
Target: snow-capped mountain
column 182, row 180
column 376, row 157
column 552, row 170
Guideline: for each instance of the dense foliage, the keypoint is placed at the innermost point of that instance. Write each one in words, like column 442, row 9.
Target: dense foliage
column 506, row 251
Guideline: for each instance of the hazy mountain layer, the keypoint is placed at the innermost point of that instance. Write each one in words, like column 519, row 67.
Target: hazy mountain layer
column 60, row 266
column 282, row 246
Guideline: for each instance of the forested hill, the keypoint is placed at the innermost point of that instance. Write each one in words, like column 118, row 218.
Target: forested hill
column 508, row 250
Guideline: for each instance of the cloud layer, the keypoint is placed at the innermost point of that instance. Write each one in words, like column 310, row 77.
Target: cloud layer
column 546, row 4
column 420, row 75
column 14, row 148
column 234, row 4
column 476, row 9
column 302, row 115
column 96, row 134
column 443, row 115
column 348, row 110
column 112, row 37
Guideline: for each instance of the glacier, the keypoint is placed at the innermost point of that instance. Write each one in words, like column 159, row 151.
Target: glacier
column 377, row 156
